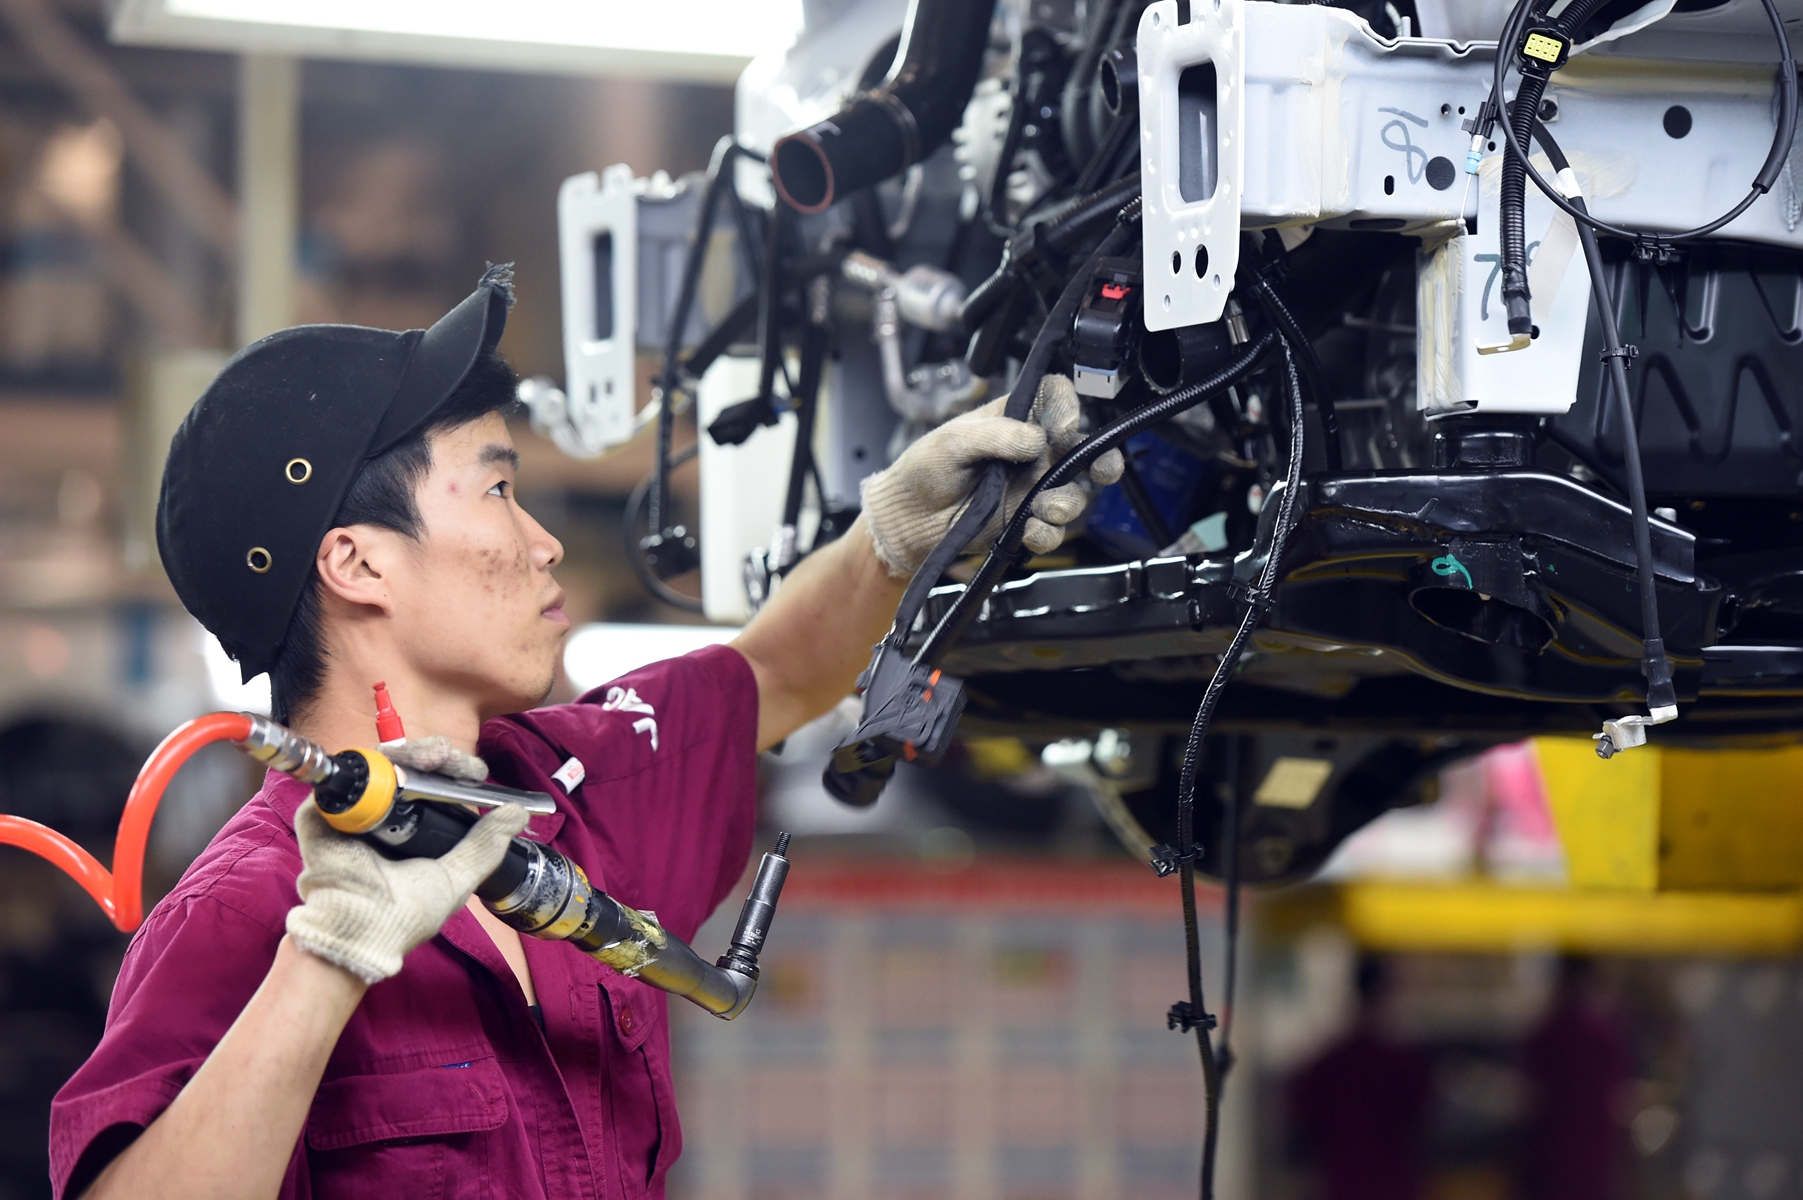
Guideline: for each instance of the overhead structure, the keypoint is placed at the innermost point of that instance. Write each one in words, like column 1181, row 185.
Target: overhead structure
column 711, row 42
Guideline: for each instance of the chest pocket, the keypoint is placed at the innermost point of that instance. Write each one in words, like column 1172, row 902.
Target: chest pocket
column 640, row 1095
column 407, row 1133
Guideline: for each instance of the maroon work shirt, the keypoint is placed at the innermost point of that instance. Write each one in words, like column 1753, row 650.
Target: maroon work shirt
column 443, row 1084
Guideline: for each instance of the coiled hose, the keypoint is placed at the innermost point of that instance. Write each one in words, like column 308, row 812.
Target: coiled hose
column 120, row 892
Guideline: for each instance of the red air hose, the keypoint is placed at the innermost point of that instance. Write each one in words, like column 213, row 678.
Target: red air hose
column 120, row 892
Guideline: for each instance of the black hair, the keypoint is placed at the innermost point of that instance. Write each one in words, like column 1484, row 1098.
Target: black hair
column 381, row 495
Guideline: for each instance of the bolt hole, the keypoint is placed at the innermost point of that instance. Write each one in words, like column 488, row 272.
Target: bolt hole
column 1176, row 262
column 1677, row 121
column 1549, row 109
column 1389, row 185
column 1201, row 262
column 1447, row 108
column 1461, row 110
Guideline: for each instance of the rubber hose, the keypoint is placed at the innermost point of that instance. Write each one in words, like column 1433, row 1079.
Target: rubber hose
column 120, row 892
column 903, row 121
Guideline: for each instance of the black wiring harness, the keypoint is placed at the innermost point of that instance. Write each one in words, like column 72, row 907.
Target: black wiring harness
column 667, row 550
column 1191, row 1014
column 1538, row 46
column 911, row 706
column 1536, row 61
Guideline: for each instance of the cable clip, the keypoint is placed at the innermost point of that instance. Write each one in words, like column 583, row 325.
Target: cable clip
column 1655, row 248
column 1625, row 352
column 1182, row 1017
column 1165, row 861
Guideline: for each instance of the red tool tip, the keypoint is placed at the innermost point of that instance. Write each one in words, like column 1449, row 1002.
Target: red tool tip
column 388, row 721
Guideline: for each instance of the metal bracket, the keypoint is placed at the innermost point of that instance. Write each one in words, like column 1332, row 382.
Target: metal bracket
column 597, row 230
column 1192, row 118
column 1625, row 733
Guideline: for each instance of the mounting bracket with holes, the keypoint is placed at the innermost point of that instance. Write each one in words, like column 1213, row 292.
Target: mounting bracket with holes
column 1192, row 155
column 598, row 244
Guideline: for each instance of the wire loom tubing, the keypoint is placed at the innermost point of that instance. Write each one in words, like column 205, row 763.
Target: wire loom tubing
column 1520, row 122
column 120, row 892
column 1518, row 117
column 1191, row 1013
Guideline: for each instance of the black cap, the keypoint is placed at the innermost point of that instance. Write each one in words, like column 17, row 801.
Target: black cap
column 266, row 456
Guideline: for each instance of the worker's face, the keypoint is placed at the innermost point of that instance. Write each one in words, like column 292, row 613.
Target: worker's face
column 476, row 604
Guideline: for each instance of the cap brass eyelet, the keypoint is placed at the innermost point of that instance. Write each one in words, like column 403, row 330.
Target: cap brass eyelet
column 259, row 560
column 298, row 470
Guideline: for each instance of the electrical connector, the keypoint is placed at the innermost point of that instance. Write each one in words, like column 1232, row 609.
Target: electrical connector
column 911, row 711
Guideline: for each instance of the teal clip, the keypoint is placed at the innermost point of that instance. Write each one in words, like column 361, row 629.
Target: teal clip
column 1447, row 565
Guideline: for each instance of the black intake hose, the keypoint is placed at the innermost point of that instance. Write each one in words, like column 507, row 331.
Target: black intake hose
column 898, row 123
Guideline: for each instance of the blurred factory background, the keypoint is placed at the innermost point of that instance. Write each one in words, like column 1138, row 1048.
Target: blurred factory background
column 1473, row 997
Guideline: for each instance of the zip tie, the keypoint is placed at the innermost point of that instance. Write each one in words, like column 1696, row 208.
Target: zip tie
column 1182, row 1017
column 1165, row 860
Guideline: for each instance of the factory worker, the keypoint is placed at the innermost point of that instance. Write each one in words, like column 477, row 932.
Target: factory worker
column 301, row 1016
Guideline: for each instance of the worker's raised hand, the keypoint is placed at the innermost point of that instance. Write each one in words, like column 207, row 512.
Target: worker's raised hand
column 364, row 912
column 910, row 506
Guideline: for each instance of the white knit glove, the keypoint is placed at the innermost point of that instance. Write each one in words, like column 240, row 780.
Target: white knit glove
column 364, row 912
column 910, row 506
column 436, row 753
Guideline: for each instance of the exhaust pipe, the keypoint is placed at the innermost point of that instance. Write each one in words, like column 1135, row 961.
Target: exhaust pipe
column 901, row 121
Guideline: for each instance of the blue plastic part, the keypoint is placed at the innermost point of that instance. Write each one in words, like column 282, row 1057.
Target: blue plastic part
column 1174, row 479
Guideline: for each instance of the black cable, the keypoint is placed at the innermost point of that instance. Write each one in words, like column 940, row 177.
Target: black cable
column 813, row 364
column 1193, row 1014
column 1230, row 877
column 731, row 328
column 951, row 626
column 635, row 555
column 1141, row 502
column 770, row 316
column 719, row 180
column 995, row 207
column 1312, row 371
column 1513, row 31
column 992, row 484
column 1125, row 126
column 1660, row 692
column 747, row 231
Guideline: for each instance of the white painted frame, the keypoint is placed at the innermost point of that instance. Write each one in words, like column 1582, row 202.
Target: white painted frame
column 600, row 376
column 1173, row 228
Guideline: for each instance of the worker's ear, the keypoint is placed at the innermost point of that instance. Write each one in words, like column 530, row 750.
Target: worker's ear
column 353, row 564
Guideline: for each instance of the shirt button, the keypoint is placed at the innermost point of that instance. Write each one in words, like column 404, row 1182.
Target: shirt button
column 626, row 1020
